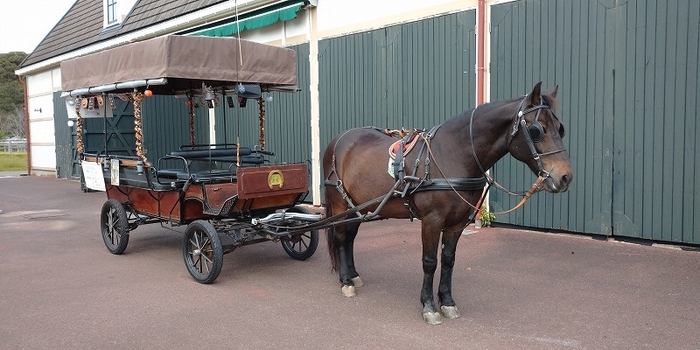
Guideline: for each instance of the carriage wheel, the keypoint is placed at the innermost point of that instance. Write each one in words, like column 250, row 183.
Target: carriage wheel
column 115, row 226
column 202, row 251
column 301, row 246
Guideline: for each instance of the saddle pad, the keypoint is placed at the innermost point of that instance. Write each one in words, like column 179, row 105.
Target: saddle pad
column 410, row 143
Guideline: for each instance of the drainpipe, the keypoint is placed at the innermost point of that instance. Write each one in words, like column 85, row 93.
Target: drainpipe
column 27, row 129
column 481, row 51
column 481, row 71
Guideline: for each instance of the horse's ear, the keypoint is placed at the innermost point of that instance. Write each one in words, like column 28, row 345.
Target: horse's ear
column 535, row 94
column 554, row 92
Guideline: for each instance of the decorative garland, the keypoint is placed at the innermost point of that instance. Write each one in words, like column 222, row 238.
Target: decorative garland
column 261, row 105
column 137, row 97
column 79, row 129
column 190, row 104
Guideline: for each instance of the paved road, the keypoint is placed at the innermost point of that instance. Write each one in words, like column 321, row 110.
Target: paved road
column 61, row 289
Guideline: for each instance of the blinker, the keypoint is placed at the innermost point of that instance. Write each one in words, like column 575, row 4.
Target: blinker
column 536, row 131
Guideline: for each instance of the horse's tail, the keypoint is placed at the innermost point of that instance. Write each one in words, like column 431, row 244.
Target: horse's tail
column 332, row 243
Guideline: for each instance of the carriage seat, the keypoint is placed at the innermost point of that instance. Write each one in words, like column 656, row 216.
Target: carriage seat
column 208, row 165
column 211, row 153
column 165, row 175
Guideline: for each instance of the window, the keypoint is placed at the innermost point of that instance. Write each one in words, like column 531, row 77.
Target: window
column 110, row 12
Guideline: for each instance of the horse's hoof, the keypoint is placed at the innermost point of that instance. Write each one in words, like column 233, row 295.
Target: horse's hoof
column 450, row 312
column 357, row 282
column 348, row 291
column 432, row 318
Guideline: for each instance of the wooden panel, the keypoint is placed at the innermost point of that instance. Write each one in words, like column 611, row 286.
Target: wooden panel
column 166, row 125
column 656, row 89
column 430, row 70
column 158, row 204
column 275, row 180
column 567, row 47
column 412, row 75
column 216, row 194
column 628, row 76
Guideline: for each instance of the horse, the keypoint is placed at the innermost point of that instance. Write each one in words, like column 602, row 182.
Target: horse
column 440, row 182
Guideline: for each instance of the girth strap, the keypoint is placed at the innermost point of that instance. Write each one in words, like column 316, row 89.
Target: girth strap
column 454, row 183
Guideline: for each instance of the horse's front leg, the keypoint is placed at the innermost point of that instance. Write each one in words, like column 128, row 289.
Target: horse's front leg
column 449, row 247
column 431, row 238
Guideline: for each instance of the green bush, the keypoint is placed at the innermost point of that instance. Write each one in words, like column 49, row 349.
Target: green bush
column 486, row 217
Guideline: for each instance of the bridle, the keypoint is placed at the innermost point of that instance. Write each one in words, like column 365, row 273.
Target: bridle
column 533, row 134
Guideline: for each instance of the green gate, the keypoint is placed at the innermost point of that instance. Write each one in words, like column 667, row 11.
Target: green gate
column 628, row 73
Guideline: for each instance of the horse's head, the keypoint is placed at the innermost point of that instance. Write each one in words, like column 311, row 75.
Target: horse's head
column 536, row 140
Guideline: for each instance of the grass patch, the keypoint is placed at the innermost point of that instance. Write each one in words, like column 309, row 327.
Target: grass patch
column 15, row 161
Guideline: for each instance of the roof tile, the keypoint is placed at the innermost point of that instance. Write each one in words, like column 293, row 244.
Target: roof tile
column 82, row 25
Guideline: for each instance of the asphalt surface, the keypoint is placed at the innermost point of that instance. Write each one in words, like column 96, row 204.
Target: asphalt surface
column 61, row 289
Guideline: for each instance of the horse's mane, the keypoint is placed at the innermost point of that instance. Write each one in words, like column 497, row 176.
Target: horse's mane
column 548, row 100
column 489, row 106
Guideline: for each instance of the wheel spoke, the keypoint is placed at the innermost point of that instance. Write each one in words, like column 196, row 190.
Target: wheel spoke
column 202, row 243
column 112, row 222
column 303, row 242
column 206, row 263
column 196, row 238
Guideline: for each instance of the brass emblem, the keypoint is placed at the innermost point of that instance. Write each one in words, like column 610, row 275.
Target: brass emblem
column 275, row 178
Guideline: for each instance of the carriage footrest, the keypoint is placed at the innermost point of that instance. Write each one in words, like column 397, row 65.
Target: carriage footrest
column 228, row 204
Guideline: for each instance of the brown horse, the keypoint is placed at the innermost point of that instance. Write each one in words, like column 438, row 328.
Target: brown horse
column 439, row 182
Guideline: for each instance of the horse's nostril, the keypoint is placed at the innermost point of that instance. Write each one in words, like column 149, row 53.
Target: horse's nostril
column 565, row 179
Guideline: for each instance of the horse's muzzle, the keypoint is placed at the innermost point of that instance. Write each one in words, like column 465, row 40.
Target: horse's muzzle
column 558, row 184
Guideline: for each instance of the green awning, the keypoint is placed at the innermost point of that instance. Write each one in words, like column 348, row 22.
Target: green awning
column 253, row 22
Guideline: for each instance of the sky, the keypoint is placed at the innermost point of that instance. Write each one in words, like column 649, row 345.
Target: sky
column 24, row 23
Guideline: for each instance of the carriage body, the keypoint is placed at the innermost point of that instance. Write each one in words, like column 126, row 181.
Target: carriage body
column 179, row 196
column 223, row 193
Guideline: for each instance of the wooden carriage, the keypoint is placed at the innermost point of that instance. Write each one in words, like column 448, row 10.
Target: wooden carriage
column 228, row 195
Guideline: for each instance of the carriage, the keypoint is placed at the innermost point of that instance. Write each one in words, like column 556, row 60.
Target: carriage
column 228, row 195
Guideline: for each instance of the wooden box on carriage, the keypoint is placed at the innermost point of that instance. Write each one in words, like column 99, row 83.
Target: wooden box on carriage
column 274, row 180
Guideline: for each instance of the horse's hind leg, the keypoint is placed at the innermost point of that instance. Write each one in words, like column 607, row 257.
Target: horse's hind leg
column 449, row 246
column 350, row 234
column 349, row 278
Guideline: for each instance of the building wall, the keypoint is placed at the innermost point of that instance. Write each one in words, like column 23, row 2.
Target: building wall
column 343, row 17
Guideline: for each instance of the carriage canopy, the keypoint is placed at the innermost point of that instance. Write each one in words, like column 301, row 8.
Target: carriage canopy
column 175, row 63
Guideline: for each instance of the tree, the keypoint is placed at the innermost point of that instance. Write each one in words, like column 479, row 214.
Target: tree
column 12, row 124
column 11, row 95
